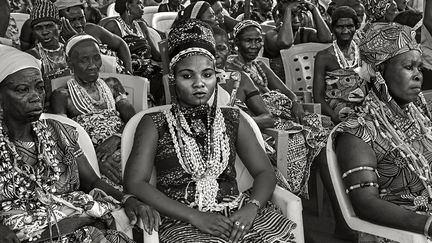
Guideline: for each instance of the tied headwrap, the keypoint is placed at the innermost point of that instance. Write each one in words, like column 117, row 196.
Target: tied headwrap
column 13, row 60
column 74, row 40
column 44, row 10
column 376, row 9
column 193, row 11
column 243, row 25
column 381, row 42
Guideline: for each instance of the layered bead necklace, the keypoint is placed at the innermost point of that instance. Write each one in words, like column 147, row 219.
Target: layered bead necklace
column 52, row 60
column 84, row 102
column 204, row 169
column 419, row 127
column 256, row 73
column 353, row 52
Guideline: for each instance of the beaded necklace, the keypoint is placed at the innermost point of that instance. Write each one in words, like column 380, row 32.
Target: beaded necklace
column 256, row 73
column 341, row 59
column 84, row 102
column 51, row 65
column 206, row 169
column 401, row 134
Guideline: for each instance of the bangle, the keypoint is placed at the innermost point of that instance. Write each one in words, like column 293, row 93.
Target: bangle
column 427, row 226
column 126, row 197
column 255, row 202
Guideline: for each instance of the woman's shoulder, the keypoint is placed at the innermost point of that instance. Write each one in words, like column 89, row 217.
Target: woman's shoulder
column 62, row 131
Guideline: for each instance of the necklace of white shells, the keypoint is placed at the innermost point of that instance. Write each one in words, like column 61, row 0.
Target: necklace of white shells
column 204, row 171
column 341, row 59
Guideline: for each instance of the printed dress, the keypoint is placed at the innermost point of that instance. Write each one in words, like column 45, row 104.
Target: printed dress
column 269, row 226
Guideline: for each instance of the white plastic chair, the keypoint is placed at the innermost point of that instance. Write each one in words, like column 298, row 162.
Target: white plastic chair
column 136, row 88
column 111, row 10
column 290, row 204
column 84, row 139
column 20, row 19
column 298, row 62
column 149, row 11
column 348, row 213
column 163, row 21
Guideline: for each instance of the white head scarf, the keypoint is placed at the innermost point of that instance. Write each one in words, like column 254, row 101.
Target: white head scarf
column 13, row 60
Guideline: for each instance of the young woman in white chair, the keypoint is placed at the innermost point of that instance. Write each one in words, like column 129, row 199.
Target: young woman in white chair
column 193, row 147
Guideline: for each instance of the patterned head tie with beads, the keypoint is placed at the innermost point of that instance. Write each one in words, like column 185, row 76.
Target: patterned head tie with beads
column 245, row 24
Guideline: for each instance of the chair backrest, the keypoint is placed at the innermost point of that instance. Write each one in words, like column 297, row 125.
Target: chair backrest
column 298, row 62
column 348, row 213
column 20, row 19
column 149, row 11
column 84, row 140
column 111, row 10
column 135, row 87
column 244, row 179
column 163, row 21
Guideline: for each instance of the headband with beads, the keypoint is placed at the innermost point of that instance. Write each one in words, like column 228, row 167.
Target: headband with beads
column 245, row 24
column 192, row 51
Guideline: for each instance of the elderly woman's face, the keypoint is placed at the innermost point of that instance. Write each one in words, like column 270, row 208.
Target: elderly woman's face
column 85, row 61
column 136, row 9
column 47, row 33
column 22, row 95
column 249, row 43
column 195, row 80
column 403, row 76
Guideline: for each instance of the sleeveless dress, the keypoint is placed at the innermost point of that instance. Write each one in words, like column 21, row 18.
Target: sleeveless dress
column 269, row 226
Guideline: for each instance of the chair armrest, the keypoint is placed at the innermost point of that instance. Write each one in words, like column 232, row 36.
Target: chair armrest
column 281, row 137
column 312, row 107
column 292, row 208
column 304, row 96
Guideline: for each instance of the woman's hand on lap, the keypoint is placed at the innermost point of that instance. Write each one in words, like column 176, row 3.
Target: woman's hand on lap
column 136, row 209
column 243, row 220
column 107, row 148
column 7, row 235
column 214, row 224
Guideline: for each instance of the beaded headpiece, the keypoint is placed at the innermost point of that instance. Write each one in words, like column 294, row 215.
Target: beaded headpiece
column 74, row 40
column 44, row 10
column 188, row 38
column 243, row 25
column 376, row 9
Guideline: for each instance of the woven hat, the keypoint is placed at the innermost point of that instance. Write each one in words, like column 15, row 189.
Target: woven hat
column 44, row 10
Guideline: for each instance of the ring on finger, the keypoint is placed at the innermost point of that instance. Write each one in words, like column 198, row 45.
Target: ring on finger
column 237, row 223
column 242, row 227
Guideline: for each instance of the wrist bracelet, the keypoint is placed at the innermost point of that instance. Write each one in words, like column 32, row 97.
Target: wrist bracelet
column 255, row 202
column 126, row 197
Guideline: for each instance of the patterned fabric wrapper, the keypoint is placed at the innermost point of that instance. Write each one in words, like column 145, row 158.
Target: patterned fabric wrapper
column 376, row 9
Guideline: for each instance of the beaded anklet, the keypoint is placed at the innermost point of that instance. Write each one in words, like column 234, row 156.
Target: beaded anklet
column 361, row 185
column 356, row 169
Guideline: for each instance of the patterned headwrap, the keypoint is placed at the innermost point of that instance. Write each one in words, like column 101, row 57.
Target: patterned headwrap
column 381, row 42
column 189, row 38
column 193, row 11
column 245, row 24
column 44, row 10
column 376, row 9
column 74, row 40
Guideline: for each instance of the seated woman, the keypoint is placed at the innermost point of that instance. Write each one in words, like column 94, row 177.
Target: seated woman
column 289, row 31
column 337, row 85
column 48, row 188
column 100, row 106
column 134, row 31
column 193, row 147
column 307, row 138
column 387, row 175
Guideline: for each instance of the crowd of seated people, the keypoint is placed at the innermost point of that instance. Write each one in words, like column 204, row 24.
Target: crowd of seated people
column 367, row 83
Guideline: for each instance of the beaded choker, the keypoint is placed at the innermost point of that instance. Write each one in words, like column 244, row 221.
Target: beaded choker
column 204, row 167
column 353, row 52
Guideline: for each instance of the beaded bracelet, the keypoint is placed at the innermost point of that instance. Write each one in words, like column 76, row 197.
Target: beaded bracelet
column 427, row 226
column 120, row 97
column 361, row 185
column 360, row 168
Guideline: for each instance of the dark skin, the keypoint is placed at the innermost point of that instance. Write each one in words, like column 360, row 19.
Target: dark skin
column 290, row 23
column 326, row 61
column 73, row 22
column 85, row 61
column 136, row 10
column 4, row 16
column 21, row 96
column 403, row 78
column 255, row 104
column 141, row 161
column 427, row 19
